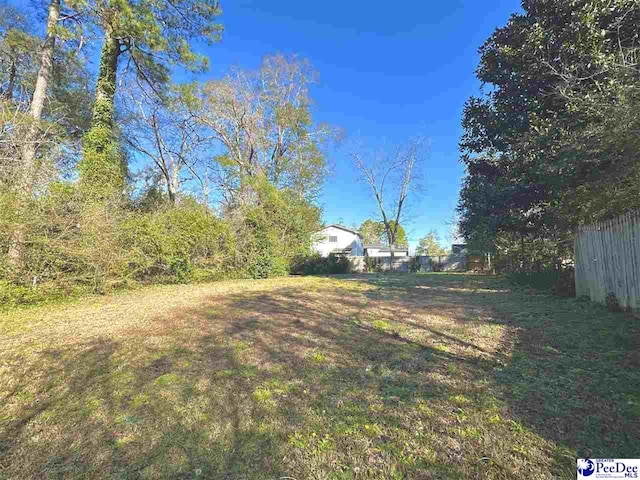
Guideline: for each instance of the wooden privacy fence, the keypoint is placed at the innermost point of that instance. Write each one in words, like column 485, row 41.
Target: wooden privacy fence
column 454, row 262
column 607, row 260
column 443, row 263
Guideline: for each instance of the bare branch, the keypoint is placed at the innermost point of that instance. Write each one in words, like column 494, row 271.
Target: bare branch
column 396, row 176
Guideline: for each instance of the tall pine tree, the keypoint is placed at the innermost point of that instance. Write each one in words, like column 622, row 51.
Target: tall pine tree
column 154, row 37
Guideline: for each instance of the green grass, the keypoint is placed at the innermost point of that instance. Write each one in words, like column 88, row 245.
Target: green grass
column 368, row 377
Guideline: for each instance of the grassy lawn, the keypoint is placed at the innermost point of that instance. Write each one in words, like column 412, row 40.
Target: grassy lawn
column 370, row 377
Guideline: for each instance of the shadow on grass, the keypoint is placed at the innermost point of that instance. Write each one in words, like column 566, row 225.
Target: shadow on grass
column 381, row 376
column 102, row 409
column 573, row 370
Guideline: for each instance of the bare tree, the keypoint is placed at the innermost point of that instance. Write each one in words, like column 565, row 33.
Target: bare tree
column 391, row 179
column 262, row 120
column 26, row 171
column 164, row 132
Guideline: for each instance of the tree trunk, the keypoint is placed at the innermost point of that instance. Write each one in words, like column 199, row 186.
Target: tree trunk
column 205, row 189
column 174, row 182
column 8, row 94
column 26, row 174
column 106, row 84
column 391, row 240
column 171, row 192
column 101, row 169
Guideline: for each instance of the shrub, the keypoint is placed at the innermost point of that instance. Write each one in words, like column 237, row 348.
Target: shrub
column 559, row 282
column 260, row 252
column 564, row 284
column 13, row 295
column 93, row 244
column 173, row 243
column 273, row 231
column 51, row 220
column 101, row 244
column 373, row 264
column 436, row 266
column 613, row 305
column 317, row 265
column 414, row 264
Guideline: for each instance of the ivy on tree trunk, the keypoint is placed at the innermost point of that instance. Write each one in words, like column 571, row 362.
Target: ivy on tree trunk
column 102, row 169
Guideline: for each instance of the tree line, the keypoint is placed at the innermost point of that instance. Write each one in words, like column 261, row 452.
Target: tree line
column 116, row 174
column 552, row 141
column 113, row 173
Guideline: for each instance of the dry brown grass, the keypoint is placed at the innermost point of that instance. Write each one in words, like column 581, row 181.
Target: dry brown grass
column 407, row 376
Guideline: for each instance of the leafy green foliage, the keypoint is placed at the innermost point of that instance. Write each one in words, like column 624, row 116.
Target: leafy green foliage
column 374, row 232
column 263, row 121
column 317, row 265
column 103, row 168
column 373, row 264
column 546, row 143
column 265, row 259
column 371, row 231
column 176, row 242
column 273, row 232
column 429, row 245
column 414, row 264
column 48, row 219
column 73, row 242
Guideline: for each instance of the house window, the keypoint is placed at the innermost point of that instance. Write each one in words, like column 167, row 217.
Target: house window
column 333, row 239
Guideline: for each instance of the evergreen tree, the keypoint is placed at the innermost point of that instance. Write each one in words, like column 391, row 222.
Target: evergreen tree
column 155, row 37
column 556, row 130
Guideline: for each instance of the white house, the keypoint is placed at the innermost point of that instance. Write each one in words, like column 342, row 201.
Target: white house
column 338, row 239
column 384, row 251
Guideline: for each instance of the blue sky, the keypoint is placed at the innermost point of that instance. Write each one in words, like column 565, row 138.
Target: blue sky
column 387, row 71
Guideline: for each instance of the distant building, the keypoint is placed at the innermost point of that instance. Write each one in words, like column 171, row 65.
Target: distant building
column 379, row 250
column 338, row 240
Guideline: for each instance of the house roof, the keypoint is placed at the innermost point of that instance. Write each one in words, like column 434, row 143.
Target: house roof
column 384, row 248
column 341, row 227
